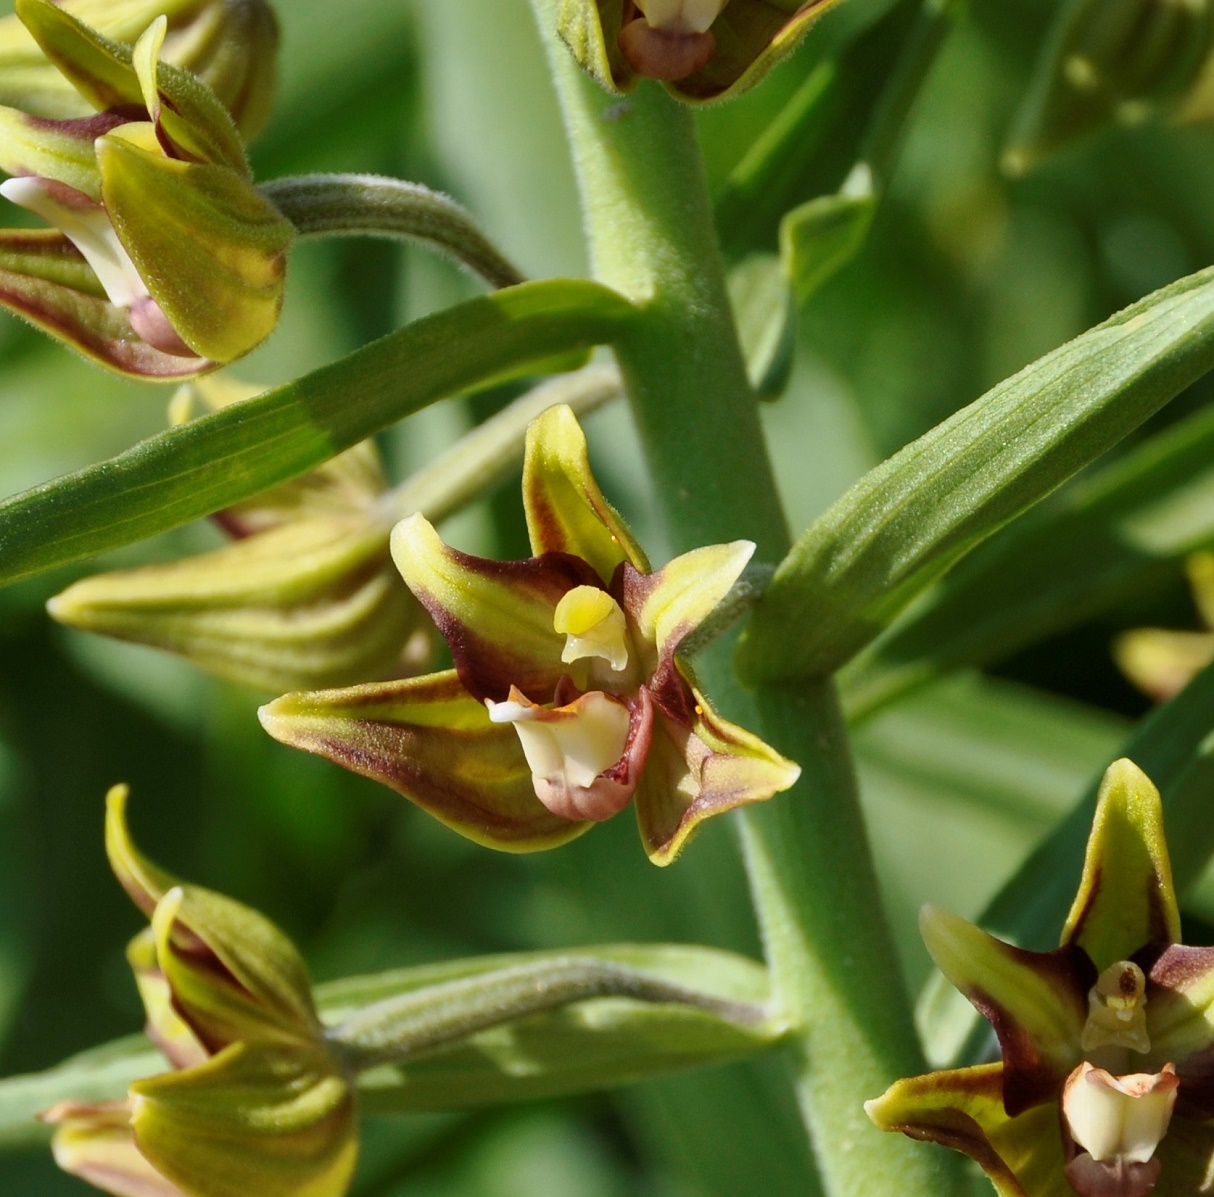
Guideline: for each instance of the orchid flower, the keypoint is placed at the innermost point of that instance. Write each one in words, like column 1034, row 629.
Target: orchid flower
column 166, row 259
column 1105, row 1088
column 257, row 1100
column 567, row 700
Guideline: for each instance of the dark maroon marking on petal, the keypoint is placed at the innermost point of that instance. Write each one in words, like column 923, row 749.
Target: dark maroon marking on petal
column 665, row 54
column 670, row 688
column 487, row 669
column 89, row 128
column 1028, row 1078
column 628, row 769
column 1178, row 968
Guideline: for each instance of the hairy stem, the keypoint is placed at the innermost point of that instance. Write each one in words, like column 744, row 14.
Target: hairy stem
column 375, row 206
column 651, row 234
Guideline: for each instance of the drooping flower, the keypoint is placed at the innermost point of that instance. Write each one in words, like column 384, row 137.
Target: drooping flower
column 567, row 700
column 1105, row 1087
column 305, row 595
column 165, row 258
column 257, row 1101
column 702, row 50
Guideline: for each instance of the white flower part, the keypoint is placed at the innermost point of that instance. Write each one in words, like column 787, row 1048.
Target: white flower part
column 89, row 229
column 593, row 626
column 681, row 16
column 568, row 748
column 1119, row 1118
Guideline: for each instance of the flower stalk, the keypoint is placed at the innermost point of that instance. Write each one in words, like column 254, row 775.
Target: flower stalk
column 651, row 235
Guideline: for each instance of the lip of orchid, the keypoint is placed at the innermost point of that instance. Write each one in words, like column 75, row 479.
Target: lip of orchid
column 681, row 16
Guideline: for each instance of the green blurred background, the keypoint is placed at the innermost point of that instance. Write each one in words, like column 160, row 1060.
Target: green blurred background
column 966, row 278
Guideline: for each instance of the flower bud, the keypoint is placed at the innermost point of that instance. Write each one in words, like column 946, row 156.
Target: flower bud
column 188, row 253
column 1115, row 62
column 231, row 45
column 702, row 50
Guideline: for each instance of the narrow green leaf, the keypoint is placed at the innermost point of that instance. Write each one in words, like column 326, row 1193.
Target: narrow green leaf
column 223, row 458
column 587, row 1045
column 909, row 520
column 1175, row 748
column 1063, row 563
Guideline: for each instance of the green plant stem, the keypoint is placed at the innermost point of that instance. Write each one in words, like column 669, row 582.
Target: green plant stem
column 392, row 1030
column 651, row 235
column 375, row 206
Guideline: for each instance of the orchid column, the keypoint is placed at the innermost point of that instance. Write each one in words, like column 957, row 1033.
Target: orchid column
column 650, row 227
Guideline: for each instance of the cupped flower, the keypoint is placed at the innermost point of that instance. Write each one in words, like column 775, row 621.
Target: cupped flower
column 167, row 259
column 567, row 700
column 257, row 1101
column 304, row 595
column 231, row 45
column 1105, row 1087
column 703, row 50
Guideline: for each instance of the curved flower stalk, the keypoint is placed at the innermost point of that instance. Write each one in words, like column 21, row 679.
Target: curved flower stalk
column 567, row 700
column 305, row 595
column 166, row 259
column 258, row 1101
column 1105, row 1087
column 231, row 45
column 1161, row 662
column 701, row 49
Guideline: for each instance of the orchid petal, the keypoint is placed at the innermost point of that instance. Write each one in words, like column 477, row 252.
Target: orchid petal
column 566, row 511
column 433, row 742
column 668, row 605
column 314, row 602
column 94, row 1141
column 1036, row 1001
column 164, row 1026
column 1125, row 899
column 229, row 967
column 700, row 765
column 210, row 247
column 254, row 1119
column 44, row 278
column 1180, row 1011
column 497, row 616
column 58, row 150
column 958, row 1109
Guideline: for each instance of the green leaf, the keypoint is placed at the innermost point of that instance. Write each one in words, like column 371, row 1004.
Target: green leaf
column 1175, row 749
column 909, row 520
column 766, row 315
column 223, row 458
column 1063, row 563
column 583, row 1046
column 820, row 237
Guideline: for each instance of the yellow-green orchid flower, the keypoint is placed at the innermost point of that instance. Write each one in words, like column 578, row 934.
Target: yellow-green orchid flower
column 703, row 50
column 567, row 700
column 1106, row 1086
column 257, row 1101
column 306, row 594
column 166, row 259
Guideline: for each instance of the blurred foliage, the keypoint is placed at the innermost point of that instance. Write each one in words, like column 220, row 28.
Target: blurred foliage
column 965, row 278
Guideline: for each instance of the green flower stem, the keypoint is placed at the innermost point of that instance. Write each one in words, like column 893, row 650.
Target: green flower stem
column 652, row 239
column 375, row 206
column 483, row 457
column 392, row 1030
